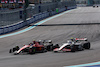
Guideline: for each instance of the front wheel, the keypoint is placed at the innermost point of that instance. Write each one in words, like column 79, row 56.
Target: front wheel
column 10, row 51
column 55, row 46
column 15, row 53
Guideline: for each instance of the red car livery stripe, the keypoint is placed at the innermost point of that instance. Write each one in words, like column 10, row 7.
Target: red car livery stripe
column 66, row 49
column 80, row 38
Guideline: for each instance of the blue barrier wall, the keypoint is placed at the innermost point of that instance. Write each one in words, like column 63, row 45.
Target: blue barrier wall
column 35, row 18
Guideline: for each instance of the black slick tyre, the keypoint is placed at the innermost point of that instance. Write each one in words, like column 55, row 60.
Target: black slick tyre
column 10, row 51
column 87, row 45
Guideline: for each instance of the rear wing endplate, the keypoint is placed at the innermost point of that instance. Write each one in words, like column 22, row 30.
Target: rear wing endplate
column 81, row 39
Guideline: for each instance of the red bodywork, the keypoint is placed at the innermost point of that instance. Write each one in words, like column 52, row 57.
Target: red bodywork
column 35, row 44
column 38, row 46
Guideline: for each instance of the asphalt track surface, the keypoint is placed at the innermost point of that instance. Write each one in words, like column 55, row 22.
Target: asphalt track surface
column 58, row 30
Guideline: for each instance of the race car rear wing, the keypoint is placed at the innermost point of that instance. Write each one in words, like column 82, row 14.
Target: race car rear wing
column 84, row 39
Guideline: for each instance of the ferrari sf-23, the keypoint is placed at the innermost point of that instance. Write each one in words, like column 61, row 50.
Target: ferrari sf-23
column 32, row 48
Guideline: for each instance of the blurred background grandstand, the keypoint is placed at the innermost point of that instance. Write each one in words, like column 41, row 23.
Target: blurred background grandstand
column 11, row 11
column 87, row 2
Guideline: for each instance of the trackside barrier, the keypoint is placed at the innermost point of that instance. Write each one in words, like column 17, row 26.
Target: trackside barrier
column 45, row 15
column 28, row 21
column 20, row 25
column 72, row 7
column 14, row 27
column 53, row 12
column 10, row 28
column 1, row 31
column 35, row 18
column 39, row 16
column 5, row 29
column 42, row 16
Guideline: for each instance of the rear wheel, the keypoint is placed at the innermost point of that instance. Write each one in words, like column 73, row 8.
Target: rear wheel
column 56, row 46
column 43, row 50
column 49, row 47
column 87, row 45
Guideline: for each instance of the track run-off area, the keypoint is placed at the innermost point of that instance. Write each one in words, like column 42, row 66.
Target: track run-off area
column 79, row 23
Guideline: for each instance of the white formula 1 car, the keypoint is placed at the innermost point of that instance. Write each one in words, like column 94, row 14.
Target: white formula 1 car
column 72, row 45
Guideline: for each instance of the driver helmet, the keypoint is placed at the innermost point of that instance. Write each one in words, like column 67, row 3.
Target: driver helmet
column 72, row 38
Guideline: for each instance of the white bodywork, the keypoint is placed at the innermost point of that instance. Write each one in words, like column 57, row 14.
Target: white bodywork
column 65, row 44
column 22, row 48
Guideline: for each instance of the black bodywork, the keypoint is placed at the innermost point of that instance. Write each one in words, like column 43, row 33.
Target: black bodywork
column 49, row 46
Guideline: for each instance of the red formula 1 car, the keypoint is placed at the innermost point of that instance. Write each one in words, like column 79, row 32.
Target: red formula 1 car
column 32, row 48
column 76, row 44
